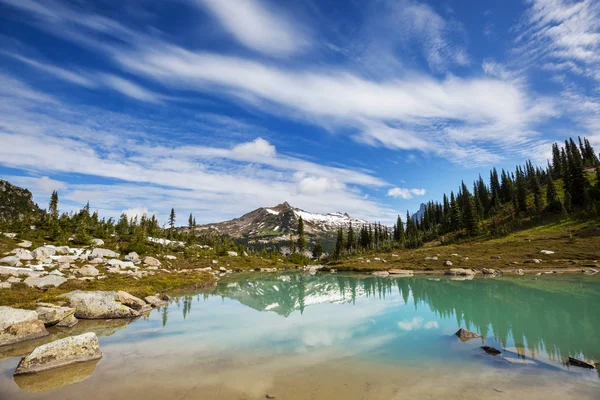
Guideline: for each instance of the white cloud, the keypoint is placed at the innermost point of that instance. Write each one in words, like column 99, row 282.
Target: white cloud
column 47, row 185
column 257, row 26
column 70, row 76
column 129, row 88
column 416, row 323
column 138, row 212
column 405, row 193
column 254, row 150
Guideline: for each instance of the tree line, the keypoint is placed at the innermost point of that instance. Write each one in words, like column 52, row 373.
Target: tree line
column 568, row 185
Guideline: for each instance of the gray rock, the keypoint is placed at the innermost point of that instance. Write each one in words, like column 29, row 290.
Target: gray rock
column 51, row 314
column 546, row 252
column 25, row 244
column 56, row 272
column 87, row 270
column 447, row 263
column 15, row 271
column 60, row 353
column 130, row 300
column 12, row 261
column 45, row 281
column 43, row 253
column 151, row 261
column 155, row 301
column 459, row 272
column 13, row 279
column 381, row 274
column 66, row 259
column 532, row 261
column 488, row 271
column 5, row 285
column 465, row 335
column 232, row 254
column 62, row 250
column 97, row 242
column 18, row 325
column 22, row 254
column 103, row 253
column 496, row 257
column 133, row 256
column 170, row 257
column 94, row 305
column 68, row 322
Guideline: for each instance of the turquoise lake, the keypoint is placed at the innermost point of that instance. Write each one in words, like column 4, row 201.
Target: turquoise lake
column 339, row 336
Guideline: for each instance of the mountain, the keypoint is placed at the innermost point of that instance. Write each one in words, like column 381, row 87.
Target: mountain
column 418, row 216
column 273, row 224
column 15, row 202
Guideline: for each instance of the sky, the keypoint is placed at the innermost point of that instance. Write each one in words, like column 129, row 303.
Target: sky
column 218, row 107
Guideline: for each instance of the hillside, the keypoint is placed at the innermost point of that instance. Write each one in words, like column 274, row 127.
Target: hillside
column 275, row 224
column 15, row 202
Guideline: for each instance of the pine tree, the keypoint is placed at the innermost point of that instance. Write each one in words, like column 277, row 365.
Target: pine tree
column 521, row 195
column 350, row 239
column 191, row 222
column 317, row 251
column 53, row 206
column 556, row 162
column 339, row 243
column 538, row 198
column 455, row 214
column 301, row 240
column 554, row 204
column 172, row 219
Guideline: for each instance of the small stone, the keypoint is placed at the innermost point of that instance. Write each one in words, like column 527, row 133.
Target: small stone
column 448, row 263
column 546, row 252
column 25, row 244
column 97, row 242
column 87, row 270
column 459, row 272
column 496, row 257
column 170, row 257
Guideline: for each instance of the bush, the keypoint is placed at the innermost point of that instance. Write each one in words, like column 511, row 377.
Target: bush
column 298, row 259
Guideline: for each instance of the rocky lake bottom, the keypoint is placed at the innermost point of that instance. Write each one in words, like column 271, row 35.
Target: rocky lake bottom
column 338, row 336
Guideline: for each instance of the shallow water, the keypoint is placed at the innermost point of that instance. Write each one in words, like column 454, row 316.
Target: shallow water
column 337, row 336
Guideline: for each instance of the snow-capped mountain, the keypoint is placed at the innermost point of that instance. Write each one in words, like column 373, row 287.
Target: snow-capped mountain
column 278, row 222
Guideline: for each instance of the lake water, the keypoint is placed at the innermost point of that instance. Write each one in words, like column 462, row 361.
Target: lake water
column 340, row 336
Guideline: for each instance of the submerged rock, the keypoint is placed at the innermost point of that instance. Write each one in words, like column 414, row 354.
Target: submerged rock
column 56, row 378
column 60, row 353
column 580, row 363
column 465, row 335
column 18, row 325
column 93, row 305
column 491, row 350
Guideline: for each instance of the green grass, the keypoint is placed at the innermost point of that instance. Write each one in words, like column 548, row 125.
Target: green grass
column 21, row 296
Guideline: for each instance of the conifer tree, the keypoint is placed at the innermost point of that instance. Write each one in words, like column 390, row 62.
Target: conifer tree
column 554, row 204
column 172, row 219
column 191, row 222
column 53, row 206
column 538, row 198
column 301, row 239
column 521, row 195
column 350, row 238
column 339, row 243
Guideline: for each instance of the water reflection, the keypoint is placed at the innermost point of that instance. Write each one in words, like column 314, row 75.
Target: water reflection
column 554, row 316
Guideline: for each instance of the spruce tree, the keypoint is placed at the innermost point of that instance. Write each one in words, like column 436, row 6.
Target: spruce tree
column 339, row 243
column 53, row 206
column 554, row 204
column 350, row 239
column 172, row 219
column 538, row 198
column 301, row 239
column 521, row 195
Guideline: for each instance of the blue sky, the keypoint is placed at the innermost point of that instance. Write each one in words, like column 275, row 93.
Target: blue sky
column 218, row 107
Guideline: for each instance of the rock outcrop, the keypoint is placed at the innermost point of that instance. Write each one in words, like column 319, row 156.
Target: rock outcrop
column 18, row 325
column 60, row 353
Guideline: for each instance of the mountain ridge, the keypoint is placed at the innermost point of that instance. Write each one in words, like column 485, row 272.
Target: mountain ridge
column 277, row 223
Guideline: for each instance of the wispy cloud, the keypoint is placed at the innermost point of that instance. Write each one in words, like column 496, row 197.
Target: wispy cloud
column 257, row 25
column 405, row 193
